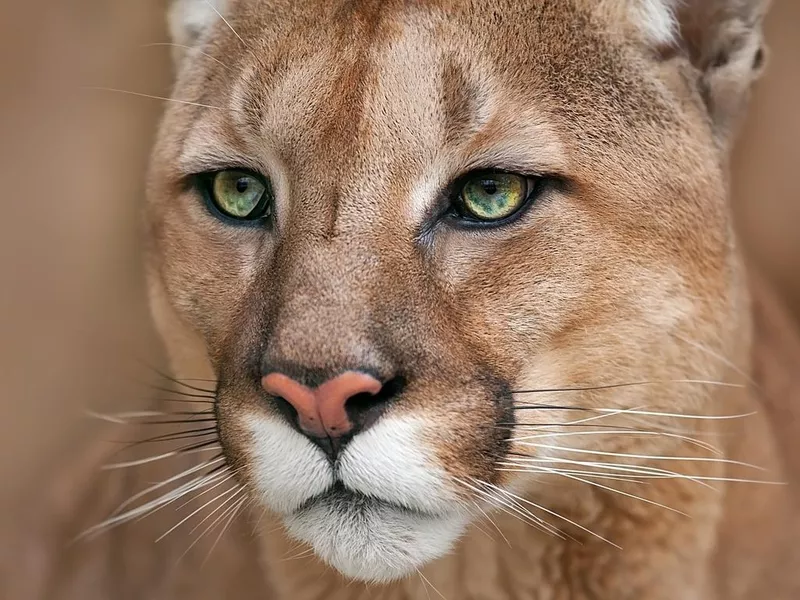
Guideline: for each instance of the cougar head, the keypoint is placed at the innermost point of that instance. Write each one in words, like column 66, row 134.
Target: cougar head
column 395, row 232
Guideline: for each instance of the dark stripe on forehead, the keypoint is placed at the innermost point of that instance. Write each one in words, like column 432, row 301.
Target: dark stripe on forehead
column 461, row 102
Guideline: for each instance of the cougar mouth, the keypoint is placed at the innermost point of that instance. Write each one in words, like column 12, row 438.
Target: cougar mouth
column 348, row 499
column 371, row 539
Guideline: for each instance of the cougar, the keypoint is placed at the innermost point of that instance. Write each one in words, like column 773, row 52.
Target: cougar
column 463, row 282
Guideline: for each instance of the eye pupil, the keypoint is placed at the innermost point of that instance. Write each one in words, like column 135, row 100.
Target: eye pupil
column 489, row 186
column 242, row 185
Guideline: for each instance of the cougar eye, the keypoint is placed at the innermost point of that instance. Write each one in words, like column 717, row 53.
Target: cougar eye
column 240, row 195
column 491, row 196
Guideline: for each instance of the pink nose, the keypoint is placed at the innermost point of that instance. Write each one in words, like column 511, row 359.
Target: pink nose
column 321, row 411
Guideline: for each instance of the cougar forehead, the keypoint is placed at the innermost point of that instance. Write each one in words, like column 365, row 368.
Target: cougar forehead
column 361, row 114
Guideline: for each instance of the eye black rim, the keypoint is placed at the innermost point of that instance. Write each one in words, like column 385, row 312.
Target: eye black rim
column 458, row 215
column 205, row 184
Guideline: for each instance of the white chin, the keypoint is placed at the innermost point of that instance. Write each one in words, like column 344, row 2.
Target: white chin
column 370, row 540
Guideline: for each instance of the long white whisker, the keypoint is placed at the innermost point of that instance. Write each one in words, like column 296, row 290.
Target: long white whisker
column 424, row 587
column 239, row 491
column 716, row 355
column 673, row 415
column 556, row 515
column 197, row 510
column 143, row 461
column 237, row 509
column 488, row 518
column 613, row 490
column 700, row 443
column 612, row 386
column 510, row 508
column 149, row 507
column 207, row 529
column 193, row 49
column 433, row 587
column 701, row 480
column 228, row 477
column 172, row 479
column 644, row 456
column 606, row 415
column 224, row 20
column 634, row 479
column 627, row 469
column 151, row 96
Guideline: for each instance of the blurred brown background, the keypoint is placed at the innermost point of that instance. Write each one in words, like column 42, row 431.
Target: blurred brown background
column 72, row 312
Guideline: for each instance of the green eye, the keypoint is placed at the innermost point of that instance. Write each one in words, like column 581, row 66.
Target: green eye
column 241, row 195
column 493, row 196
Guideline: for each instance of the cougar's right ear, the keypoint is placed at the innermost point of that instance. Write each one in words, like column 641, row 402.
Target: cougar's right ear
column 189, row 19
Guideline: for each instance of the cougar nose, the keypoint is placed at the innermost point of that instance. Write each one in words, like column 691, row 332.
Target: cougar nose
column 322, row 412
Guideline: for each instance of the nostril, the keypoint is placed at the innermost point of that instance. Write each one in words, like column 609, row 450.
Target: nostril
column 286, row 409
column 364, row 409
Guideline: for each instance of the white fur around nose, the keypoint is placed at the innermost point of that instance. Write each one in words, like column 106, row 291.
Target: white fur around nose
column 287, row 468
column 392, row 462
column 656, row 19
column 407, row 515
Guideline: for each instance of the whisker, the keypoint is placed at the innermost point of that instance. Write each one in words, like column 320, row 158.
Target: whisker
column 628, row 384
column 230, row 475
column 151, row 96
column 578, row 423
column 212, row 7
column 644, row 456
column 650, row 473
column 675, row 415
column 700, row 443
column 176, row 381
column 147, row 508
column 298, row 556
column 488, row 518
column 433, row 587
column 237, row 508
column 512, row 509
column 170, row 437
column 192, row 48
column 207, row 394
column 632, row 479
column 718, row 356
column 631, row 471
column 205, row 531
column 422, row 581
column 144, row 461
column 172, row 479
column 554, row 514
column 184, row 401
column 534, row 406
column 197, row 510
column 181, row 421
column 613, row 490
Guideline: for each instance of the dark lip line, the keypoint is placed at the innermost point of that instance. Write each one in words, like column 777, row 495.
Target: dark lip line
column 338, row 489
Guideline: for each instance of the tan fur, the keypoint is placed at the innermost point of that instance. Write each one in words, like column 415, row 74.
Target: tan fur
column 628, row 272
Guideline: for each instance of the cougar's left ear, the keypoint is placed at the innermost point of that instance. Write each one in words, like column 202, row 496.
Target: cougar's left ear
column 189, row 19
column 722, row 39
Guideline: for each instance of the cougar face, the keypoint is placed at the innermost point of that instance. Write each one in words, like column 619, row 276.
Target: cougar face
column 394, row 226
